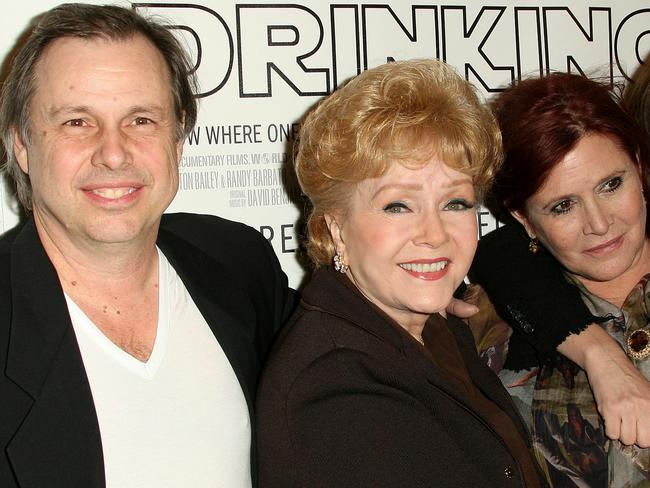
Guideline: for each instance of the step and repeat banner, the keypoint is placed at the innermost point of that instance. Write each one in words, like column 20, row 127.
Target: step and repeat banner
column 262, row 65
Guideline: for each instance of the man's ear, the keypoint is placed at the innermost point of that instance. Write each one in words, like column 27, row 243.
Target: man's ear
column 334, row 227
column 523, row 220
column 20, row 150
column 181, row 140
column 179, row 151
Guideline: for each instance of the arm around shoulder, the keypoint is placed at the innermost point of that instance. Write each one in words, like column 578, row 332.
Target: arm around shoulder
column 529, row 290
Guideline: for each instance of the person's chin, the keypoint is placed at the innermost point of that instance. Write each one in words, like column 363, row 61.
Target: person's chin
column 607, row 271
column 115, row 229
column 436, row 304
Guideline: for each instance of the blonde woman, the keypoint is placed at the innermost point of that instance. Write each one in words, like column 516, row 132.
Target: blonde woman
column 372, row 384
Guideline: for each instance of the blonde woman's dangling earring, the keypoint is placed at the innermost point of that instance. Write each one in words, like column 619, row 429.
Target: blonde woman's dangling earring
column 339, row 263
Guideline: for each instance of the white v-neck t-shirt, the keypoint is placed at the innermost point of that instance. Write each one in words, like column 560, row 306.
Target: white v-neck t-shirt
column 180, row 419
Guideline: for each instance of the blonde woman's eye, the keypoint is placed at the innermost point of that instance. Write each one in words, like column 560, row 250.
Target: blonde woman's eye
column 459, row 204
column 396, row 207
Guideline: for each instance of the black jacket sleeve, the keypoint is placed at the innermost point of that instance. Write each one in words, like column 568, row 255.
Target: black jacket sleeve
column 530, row 292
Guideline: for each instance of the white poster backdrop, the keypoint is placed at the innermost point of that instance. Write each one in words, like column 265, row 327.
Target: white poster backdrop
column 262, row 65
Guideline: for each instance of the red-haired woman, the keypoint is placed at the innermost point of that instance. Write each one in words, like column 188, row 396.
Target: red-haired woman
column 573, row 179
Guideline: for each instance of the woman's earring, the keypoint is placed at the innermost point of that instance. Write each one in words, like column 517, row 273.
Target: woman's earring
column 339, row 264
column 532, row 245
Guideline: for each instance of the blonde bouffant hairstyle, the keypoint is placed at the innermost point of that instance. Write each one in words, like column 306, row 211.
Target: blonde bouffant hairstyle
column 405, row 112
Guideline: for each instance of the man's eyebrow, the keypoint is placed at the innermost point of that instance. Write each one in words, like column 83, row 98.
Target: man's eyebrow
column 148, row 109
column 67, row 109
column 76, row 109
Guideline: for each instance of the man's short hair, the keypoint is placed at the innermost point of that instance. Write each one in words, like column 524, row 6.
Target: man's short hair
column 85, row 21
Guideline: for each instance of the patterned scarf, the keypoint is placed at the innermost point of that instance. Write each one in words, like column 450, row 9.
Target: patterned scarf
column 629, row 466
column 567, row 429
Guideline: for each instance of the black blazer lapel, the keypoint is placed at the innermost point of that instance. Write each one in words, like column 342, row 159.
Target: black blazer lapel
column 57, row 441
column 230, row 314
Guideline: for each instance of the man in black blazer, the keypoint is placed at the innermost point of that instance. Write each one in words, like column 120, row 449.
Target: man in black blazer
column 102, row 297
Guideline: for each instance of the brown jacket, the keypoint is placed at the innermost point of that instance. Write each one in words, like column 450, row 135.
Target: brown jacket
column 348, row 399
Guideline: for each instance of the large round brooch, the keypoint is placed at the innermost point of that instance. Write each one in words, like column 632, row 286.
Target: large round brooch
column 638, row 344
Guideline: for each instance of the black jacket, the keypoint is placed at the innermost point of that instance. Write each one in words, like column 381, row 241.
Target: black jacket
column 530, row 293
column 48, row 425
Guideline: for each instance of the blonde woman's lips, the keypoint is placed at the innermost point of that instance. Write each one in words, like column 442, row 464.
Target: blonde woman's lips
column 427, row 269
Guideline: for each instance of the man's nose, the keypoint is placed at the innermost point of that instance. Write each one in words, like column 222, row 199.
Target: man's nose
column 112, row 149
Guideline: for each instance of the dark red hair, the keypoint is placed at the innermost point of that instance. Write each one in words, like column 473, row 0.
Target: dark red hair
column 543, row 119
